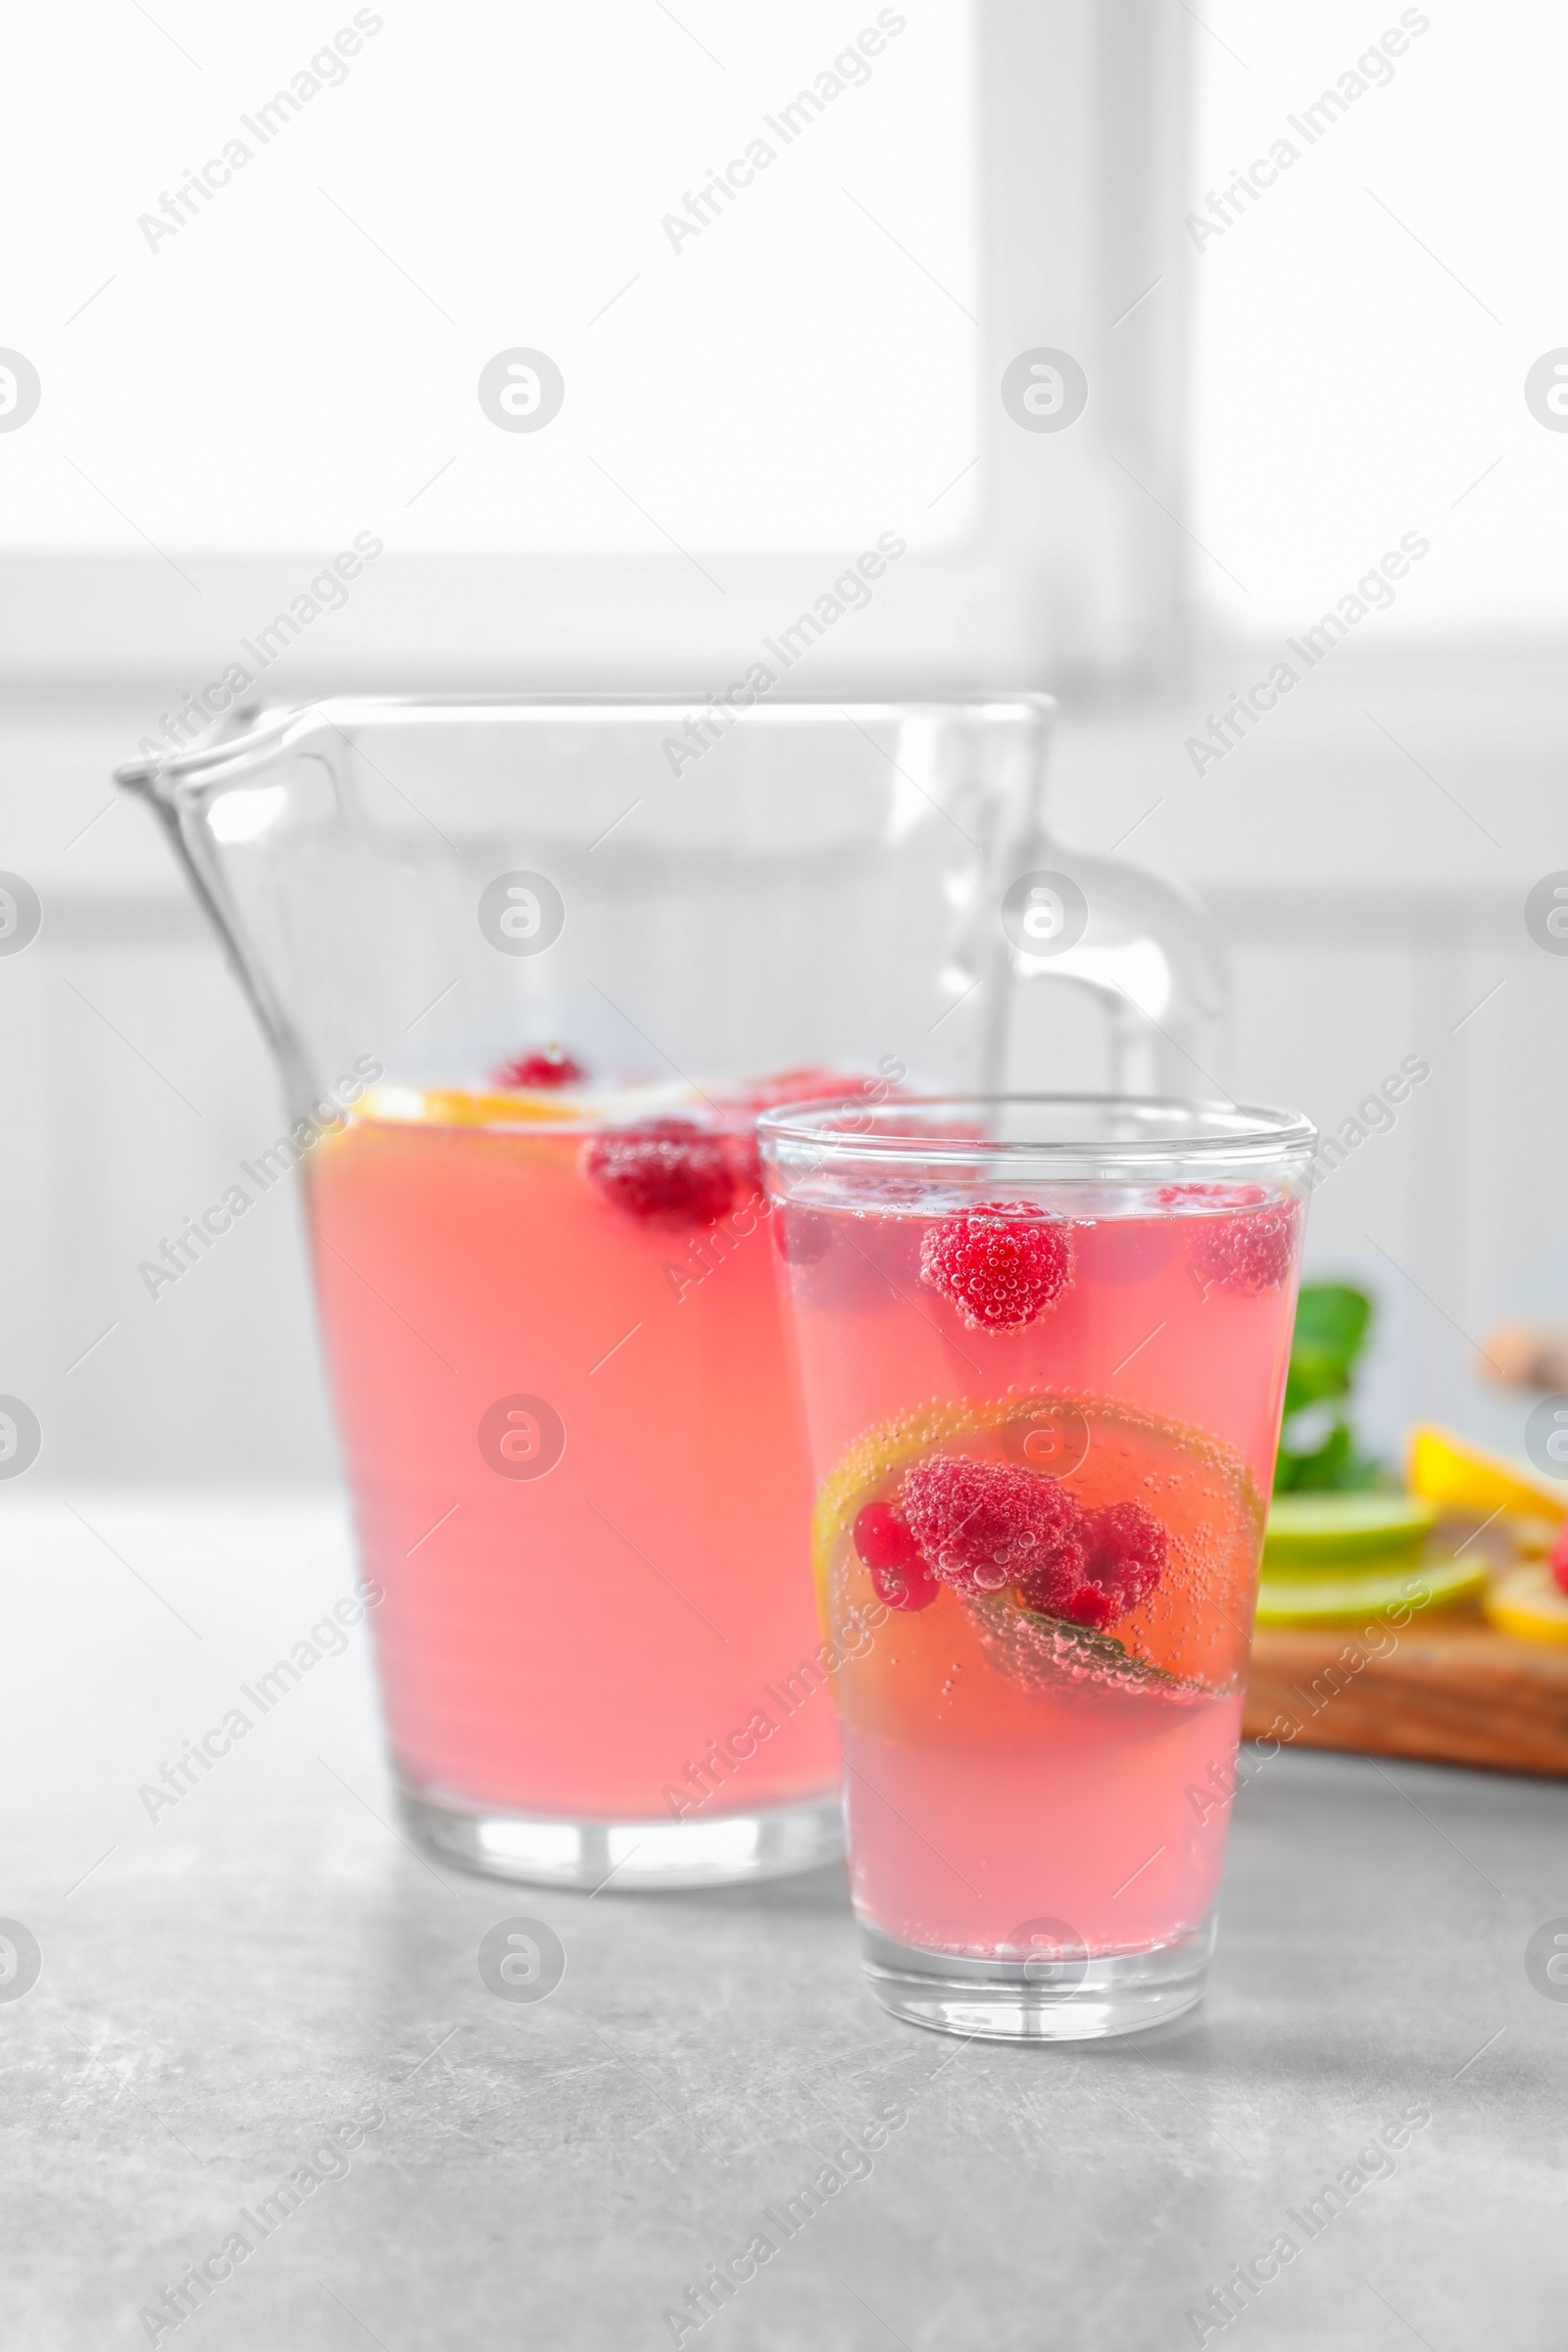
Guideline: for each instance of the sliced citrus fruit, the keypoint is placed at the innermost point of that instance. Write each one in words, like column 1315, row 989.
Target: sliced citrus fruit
column 461, row 1106
column 1337, row 1597
column 1527, row 1601
column 1308, row 1530
column 518, row 1106
column 1190, row 1630
column 1449, row 1470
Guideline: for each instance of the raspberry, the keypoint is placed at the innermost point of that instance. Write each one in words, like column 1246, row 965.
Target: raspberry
column 1088, row 1605
column 553, row 1066
column 882, row 1539
column 911, row 1588
column 1126, row 1551
column 1114, row 1563
column 1002, row 1263
column 888, row 1550
column 1057, row 1586
column 983, row 1526
column 1251, row 1252
column 667, row 1173
column 1210, row 1195
column 1559, row 1563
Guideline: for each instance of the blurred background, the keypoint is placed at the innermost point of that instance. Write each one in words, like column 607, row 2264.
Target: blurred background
column 1307, row 264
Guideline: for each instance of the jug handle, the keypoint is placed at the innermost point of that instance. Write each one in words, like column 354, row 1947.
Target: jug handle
column 1146, row 948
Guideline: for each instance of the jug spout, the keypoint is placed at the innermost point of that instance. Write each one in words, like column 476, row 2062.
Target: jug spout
column 176, row 787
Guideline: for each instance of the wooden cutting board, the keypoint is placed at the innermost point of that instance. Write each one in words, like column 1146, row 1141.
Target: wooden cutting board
column 1450, row 1689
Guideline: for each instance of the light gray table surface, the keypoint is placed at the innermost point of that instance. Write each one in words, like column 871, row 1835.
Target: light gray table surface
column 270, row 1958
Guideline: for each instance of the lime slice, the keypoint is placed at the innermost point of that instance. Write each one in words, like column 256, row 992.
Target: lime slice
column 1527, row 1601
column 1334, row 1598
column 1328, row 1530
column 892, row 1446
column 1188, row 1633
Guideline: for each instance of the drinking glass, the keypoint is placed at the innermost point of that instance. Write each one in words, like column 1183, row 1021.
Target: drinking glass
column 1042, row 1344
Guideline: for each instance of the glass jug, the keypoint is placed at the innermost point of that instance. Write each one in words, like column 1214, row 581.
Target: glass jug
column 531, row 969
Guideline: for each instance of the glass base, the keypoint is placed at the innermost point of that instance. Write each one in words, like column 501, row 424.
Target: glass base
column 728, row 1849
column 1007, row 2000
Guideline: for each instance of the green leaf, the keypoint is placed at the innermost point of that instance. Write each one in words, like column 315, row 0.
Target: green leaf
column 1315, row 1379
column 1330, row 1328
column 1319, row 1468
column 1333, row 1319
column 1332, row 1323
column 1103, row 1650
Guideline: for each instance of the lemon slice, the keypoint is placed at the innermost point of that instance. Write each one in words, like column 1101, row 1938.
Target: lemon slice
column 1527, row 1601
column 459, row 1107
column 1330, row 1599
column 1465, row 1478
column 1308, row 1530
column 520, row 1107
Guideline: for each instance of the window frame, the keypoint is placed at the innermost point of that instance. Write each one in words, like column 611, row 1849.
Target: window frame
column 1075, row 571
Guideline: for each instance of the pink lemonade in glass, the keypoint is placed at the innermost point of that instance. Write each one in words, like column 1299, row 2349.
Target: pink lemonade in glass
column 1044, row 1415
column 554, row 1338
